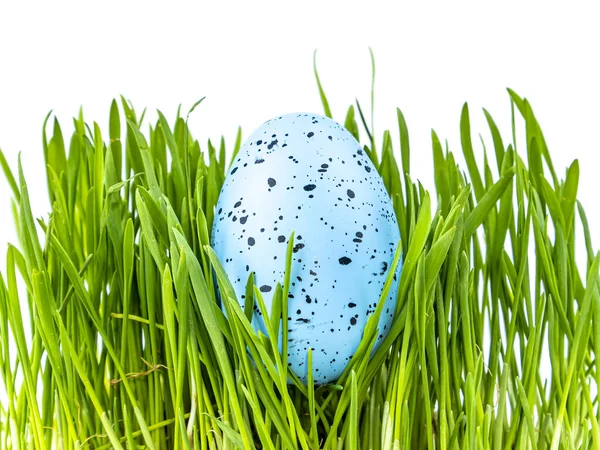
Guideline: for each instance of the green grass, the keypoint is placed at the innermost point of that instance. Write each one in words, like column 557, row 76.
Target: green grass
column 128, row 348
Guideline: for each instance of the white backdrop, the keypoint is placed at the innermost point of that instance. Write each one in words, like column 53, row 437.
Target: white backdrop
column 254, row 61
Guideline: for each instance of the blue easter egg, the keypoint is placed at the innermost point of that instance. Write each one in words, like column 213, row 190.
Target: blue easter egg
column 306, row 173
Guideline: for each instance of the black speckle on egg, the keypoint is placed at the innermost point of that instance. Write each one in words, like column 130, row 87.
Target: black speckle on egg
column 298, row 247
column 258, row 142
column 281, row 238
column 265, row 288
column 367, row 168
column 259, row 161
column 352, row 321
column 350, row 193
column 243, row 220
column 309, row 187
column 311, row 134
column 234, row 170
column 271, row 182
column 384, row 266
column 237, row 204
column 251, row 241
column 344, row 260
column 351, row 305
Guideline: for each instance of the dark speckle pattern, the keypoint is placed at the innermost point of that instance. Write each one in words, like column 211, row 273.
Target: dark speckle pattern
column 306, row 173
column 298, row 247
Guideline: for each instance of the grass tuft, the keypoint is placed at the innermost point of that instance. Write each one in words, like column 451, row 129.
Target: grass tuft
column 128, row 346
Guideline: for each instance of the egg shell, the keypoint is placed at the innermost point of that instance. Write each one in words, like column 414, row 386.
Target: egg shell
column 306, row 173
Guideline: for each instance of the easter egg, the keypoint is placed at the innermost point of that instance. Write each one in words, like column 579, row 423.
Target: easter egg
column 307, row 174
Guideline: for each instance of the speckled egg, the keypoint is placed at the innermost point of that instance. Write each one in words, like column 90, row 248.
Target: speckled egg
column 306, row 173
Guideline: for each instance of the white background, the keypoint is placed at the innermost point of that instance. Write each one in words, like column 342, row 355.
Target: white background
column 254, row 61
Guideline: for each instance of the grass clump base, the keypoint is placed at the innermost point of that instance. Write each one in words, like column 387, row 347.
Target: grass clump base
column 129, row 349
